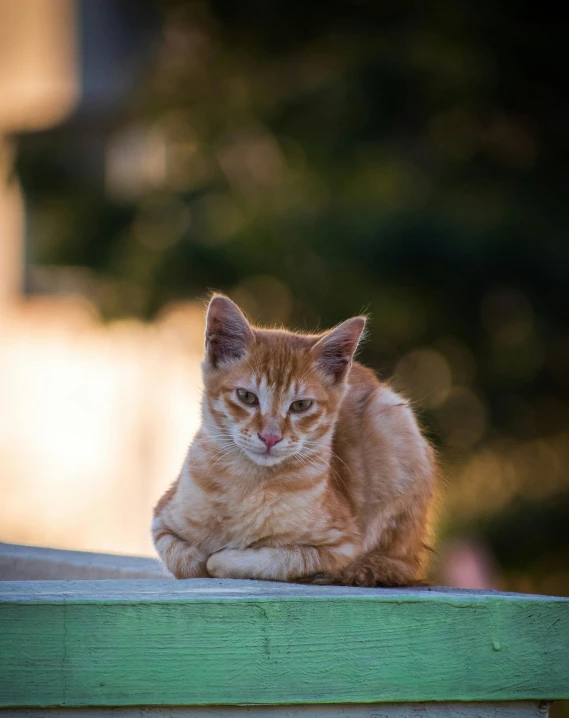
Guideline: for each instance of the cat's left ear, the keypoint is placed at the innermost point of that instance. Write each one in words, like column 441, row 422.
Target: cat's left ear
column 228, row 334
column 335, row 351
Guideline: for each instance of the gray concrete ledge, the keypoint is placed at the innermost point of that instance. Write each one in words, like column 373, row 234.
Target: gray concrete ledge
column 31, row 563
column 515, row 709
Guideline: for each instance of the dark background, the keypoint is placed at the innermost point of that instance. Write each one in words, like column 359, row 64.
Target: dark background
column 316, row 160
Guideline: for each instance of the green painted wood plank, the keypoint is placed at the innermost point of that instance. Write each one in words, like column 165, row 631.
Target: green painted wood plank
column 106, row 643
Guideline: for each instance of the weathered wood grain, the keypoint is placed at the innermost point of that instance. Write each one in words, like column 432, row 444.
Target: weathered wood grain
column 113, row 643
column 513, row 709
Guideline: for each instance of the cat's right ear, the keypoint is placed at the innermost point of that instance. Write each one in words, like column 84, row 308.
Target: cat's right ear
column 228, row 334
column 336, row 349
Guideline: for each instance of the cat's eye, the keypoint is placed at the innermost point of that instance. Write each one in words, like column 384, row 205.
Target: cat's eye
column 247, row 397
column 301, row 405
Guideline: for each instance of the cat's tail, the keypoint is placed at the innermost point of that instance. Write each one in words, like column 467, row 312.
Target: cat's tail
column 374, row 569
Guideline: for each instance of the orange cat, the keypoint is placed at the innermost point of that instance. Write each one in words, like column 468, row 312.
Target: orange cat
column 305, row 467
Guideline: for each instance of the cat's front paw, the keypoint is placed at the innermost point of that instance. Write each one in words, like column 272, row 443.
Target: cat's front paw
column 224, row 563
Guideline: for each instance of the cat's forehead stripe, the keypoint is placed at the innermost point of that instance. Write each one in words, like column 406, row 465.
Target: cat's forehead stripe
column 278, row 376
column 264, row 394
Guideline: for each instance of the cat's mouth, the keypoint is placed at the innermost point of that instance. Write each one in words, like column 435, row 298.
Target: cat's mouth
column 266, row 457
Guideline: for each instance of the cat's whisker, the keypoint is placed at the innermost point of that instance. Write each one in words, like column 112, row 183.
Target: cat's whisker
column 336, row 474
column 222, row 450
column 213, row 444
column 332, row 453
column 340, row 460
column 218, row 457
column 212, row 439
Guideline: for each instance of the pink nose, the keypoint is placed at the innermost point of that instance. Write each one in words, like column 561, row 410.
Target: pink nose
column 270, row 440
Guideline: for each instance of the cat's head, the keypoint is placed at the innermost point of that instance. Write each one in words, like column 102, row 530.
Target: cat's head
column 274, row 393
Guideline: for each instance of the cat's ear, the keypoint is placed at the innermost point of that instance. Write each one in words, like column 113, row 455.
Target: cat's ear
column 228, row 334
column 335, row 351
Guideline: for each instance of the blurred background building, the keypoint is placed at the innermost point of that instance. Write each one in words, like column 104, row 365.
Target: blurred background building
column 313, row 162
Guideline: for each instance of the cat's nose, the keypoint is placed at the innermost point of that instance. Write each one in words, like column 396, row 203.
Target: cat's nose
column 269, row 439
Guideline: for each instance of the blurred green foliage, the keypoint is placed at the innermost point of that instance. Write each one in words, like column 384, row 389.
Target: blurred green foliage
column 317, row 160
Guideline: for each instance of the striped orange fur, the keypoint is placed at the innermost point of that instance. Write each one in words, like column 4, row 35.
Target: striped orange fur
column 305, row 467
